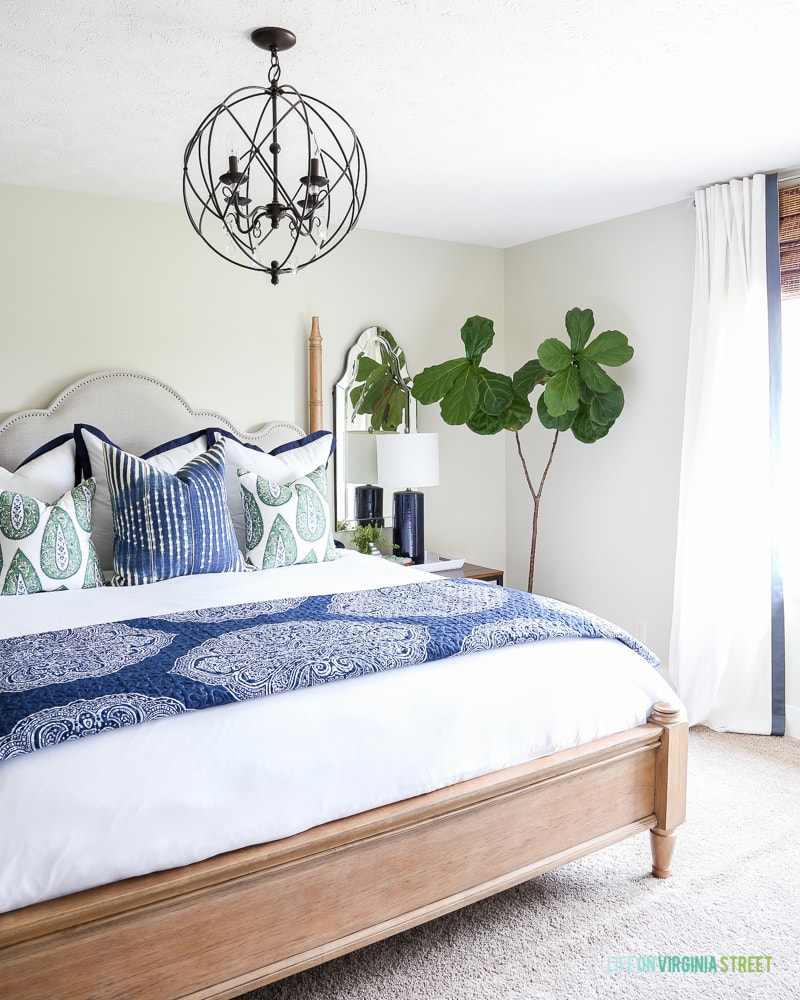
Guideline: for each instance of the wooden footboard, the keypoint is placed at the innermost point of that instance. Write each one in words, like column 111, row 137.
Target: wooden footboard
column 224, row 926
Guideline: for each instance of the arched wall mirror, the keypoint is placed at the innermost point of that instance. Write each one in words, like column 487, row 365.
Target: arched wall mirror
column 372, row 397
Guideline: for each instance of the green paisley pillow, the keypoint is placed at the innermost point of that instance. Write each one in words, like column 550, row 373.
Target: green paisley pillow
column 47, row 546
column 287, row 524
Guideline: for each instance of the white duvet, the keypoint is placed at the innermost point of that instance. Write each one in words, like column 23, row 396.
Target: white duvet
column 166, row 793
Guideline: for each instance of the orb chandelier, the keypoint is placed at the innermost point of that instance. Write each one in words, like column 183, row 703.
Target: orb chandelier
column 273, row 179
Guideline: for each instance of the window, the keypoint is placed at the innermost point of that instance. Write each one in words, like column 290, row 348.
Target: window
column 789, row 236
column 790, row 443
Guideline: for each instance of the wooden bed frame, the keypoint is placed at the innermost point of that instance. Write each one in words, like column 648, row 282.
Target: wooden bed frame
column 224, row 926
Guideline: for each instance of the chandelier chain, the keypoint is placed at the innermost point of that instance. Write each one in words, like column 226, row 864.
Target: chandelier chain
column 274, row 68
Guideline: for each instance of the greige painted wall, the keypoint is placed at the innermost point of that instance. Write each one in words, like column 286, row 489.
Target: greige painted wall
column 97, row 283
column 608, row 519
column 88, row 284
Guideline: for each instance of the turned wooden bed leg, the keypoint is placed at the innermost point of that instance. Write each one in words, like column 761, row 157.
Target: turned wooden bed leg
column 314, row 377
column 662, row 847
column 670, row 799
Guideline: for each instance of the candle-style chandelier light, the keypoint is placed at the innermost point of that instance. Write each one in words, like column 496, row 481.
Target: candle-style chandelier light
column 274, row 179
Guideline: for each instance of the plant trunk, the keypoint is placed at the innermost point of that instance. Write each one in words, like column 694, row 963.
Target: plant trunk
column 534, row 531
column 537, row 496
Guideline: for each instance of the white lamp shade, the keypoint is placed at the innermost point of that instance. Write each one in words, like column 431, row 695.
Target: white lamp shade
column 362, row 464
column 408, row 461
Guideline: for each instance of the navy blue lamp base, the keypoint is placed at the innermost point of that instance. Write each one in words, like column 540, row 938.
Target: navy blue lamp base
column 408, row 519
column 369, row 505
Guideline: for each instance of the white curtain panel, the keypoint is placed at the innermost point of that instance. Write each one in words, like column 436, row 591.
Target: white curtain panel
column 720, row 651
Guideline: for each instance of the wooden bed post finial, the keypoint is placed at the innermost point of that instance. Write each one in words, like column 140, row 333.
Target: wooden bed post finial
column 314, row 377
column 664, row 713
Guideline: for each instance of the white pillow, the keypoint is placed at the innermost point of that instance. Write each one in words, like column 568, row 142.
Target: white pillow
column 47, row 546
column 39, row 488
column 48, row 473
column 286, row 523
column 167, row 457
column 281, row 466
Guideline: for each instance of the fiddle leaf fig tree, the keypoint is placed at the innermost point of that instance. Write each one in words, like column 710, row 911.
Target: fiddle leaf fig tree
column 578, row 393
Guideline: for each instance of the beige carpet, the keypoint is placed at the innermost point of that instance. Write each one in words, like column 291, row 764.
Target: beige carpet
column 735, row 890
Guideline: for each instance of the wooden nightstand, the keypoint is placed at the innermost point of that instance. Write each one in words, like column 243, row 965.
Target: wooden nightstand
column 473, row 572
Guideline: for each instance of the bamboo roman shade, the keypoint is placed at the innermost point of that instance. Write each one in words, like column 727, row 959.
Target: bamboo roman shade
column 789, row 238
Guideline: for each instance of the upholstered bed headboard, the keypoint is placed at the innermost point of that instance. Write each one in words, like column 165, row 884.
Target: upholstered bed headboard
column 135, row 411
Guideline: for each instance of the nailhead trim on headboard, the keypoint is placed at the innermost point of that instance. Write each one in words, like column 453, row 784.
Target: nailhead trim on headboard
column 121, row 418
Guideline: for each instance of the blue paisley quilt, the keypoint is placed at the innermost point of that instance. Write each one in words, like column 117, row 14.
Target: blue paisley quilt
column 66, row 684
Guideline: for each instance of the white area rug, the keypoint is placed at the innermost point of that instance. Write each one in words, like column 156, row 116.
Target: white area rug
column 735, row 891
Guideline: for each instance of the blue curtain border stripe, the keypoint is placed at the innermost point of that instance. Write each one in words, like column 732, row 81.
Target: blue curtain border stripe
column 775, row 389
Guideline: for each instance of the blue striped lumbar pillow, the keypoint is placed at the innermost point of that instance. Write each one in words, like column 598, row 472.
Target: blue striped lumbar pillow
column 169, row 524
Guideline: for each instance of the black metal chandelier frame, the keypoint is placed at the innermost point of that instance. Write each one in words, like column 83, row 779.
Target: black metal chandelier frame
column 317, row 220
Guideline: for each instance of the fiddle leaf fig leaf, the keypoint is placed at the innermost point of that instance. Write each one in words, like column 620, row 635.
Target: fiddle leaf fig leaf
column 374, row 388
column 593, row 375
column 380, row 409
column 554, row 355
column 377, row 420
column 478, row 336
column 495, row 391
column 585, row 429
column 551, row 423
column 390, row 410
column 528, row 377
column 609, row 348
column 359, row 390
column 562, row 392
column 579, row 323
column 461, row 399
column 436, row 381
column 518, row 414
column 482, row 422
column 605, row 407
column 366, row 366
column 396, row 350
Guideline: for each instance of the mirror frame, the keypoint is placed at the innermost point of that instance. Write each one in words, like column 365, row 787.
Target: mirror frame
column 368, row 342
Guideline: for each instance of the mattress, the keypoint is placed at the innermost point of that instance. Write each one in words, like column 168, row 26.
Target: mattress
column 166, row 793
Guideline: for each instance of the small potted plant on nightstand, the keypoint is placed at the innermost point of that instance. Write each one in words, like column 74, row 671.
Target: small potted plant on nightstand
column 367, row 538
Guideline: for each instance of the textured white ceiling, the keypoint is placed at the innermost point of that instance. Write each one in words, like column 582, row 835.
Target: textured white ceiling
column 484, row 121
